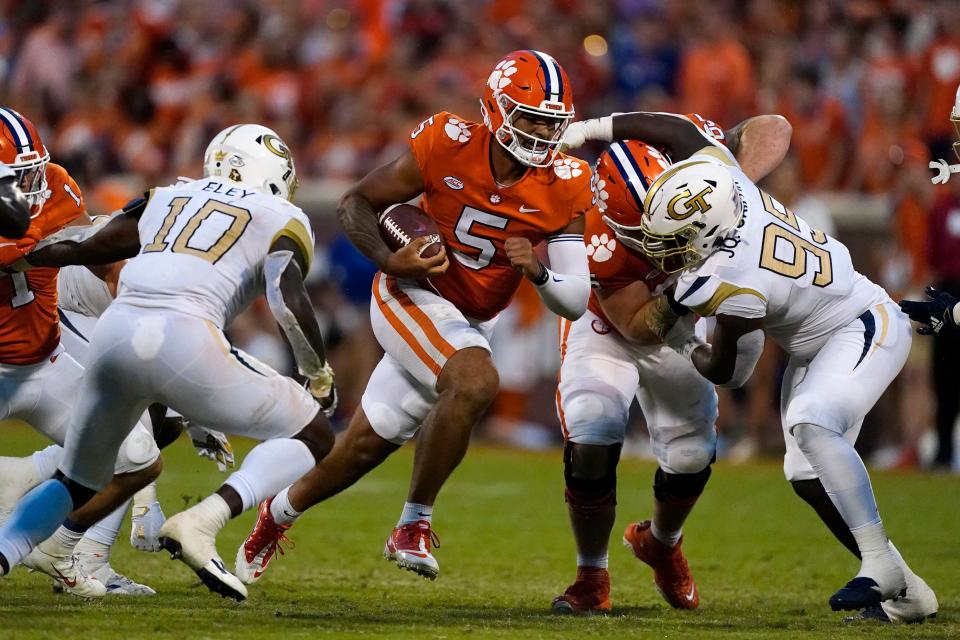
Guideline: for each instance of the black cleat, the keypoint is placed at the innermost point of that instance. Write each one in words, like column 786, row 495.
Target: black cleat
column 859, row 593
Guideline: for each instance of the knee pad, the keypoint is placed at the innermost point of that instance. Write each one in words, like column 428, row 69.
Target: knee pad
column 79, row 494
column 138, row 451
column 590, row 472
column 595, row 414
column 680, row 488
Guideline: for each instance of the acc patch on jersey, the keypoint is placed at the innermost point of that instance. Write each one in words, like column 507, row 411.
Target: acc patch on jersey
column 453, row 182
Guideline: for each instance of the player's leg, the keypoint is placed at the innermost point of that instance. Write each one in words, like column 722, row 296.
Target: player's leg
column 842, row 382
column 680, row 407
column 211, row 383
column 392, row 407
column 598, row 379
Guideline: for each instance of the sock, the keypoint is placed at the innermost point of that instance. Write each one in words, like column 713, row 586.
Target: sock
column 281, row 509
column 107, row 530
column 215, row 510
column 907, row 571
column 36, row 517
column 269, row 467
column 413, row 512
column 669, row 538
column 598, row 561
column 46, row 461
column 96, row 553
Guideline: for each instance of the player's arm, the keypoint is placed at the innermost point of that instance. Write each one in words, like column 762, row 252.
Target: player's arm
column 674, row 132
column 939, row 310
column 728, row 361
column 14, row 208
column 119, row 239
column 760, row 144
column 639, row 317
column 359, row 208
column 565, row 286
column 290, row 305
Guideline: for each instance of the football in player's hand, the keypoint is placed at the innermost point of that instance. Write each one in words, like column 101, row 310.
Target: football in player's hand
column 400, row 224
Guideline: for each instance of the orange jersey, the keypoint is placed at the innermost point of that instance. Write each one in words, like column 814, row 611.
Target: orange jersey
column 476, row 215
column 29, row 325
column 612, row 265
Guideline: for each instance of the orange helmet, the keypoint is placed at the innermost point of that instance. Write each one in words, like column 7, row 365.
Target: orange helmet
column 622, row 176
column 22, row 150
column 528, row 85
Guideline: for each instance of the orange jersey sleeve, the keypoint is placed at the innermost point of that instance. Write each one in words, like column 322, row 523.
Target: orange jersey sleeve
column 29, row 323
column 476, row 215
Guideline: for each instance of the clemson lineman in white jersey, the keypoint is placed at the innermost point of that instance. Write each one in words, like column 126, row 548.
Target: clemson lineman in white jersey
column 200, row 252
column 744, row 258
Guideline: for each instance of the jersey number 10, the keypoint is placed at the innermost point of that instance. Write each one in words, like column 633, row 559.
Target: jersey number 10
column 239, row 216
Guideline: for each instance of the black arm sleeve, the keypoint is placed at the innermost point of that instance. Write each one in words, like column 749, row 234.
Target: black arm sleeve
column 676, row 133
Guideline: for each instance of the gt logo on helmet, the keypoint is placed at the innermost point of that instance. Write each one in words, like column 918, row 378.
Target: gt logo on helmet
column 692, row 204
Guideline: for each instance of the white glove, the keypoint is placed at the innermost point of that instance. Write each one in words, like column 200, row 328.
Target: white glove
column 212, row 444
column 595, row 129
column 322, row 388
column 681, row 337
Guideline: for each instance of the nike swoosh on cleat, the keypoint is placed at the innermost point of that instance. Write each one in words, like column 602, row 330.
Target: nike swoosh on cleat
column 67, row 581
column 523, row 209
column 689, row 596
column 415, row 553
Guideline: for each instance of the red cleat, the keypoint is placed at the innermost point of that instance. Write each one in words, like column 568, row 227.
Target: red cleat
column 589, row 593
column 409, row 546
column 670, row 571
column 260, row 547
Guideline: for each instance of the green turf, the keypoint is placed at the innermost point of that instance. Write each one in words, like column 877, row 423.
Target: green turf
column 764, row 564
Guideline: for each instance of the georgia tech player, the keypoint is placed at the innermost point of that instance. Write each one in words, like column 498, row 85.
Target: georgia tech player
column 744, row 258
column 199, row 252
column 39, row 381
column 611, row 355
column 494, row 192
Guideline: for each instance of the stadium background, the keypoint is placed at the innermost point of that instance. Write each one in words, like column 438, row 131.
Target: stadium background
column 127, row 94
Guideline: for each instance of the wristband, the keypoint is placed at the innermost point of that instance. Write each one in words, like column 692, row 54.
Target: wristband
column 542, row 277
column 599, row 129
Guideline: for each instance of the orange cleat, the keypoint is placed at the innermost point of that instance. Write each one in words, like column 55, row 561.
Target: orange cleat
column 589, row 593
column 260, row 547
column 409, row 546
column 670, row 571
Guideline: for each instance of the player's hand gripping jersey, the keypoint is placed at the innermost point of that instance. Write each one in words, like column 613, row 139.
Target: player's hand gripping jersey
column 801, row 281
column 29, row 328
column 476, row 215
column 203, row 244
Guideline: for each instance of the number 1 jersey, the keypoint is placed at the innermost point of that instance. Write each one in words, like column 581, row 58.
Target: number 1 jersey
column 476, row 215
column 202, row 247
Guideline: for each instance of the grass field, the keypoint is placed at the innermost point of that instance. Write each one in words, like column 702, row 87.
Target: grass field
column 764, row 564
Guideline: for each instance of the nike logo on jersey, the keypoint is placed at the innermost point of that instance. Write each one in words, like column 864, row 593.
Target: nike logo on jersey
column 524, row 209
column 556, row 279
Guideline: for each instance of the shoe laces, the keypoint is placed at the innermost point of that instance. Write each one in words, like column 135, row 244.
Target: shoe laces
column 420, row 530
column 269, row 538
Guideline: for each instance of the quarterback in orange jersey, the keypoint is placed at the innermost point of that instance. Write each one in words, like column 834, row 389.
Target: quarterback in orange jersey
column 38, row 379
column 495, row 190
column 614, row 353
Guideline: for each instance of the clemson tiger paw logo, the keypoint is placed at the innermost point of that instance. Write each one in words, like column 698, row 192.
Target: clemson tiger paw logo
column 457, row 130
column 567, row 168
column 500, row 77
column 601, row 247
column 600, row 195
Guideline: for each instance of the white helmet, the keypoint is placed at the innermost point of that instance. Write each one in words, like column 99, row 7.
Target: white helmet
column 687, row 210
column 254, row 155
column 955, row 119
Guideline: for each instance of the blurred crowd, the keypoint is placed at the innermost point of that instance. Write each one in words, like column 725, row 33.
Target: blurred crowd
column 127, row 93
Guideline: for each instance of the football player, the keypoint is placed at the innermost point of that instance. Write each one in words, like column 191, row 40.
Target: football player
column 495, row 190
column 940, row 309
column 199, row 252
column 744, row 258
column 611, row 355
column 39, row 381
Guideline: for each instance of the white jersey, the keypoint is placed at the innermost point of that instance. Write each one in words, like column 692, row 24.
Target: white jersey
column 203, row 244
column 80, row 291
column 799, row 280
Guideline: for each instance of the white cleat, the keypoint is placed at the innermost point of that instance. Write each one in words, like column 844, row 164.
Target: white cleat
column 67, row 572
column 120, row 585
column 145, row 524
column 17, row 477
column 187, row 539
column 918, row 605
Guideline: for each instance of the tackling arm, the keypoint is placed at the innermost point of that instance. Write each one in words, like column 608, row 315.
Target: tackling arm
column 396, row 181
column 760, row 144
column 665, row 130
column 733, row 353
column 639, row 317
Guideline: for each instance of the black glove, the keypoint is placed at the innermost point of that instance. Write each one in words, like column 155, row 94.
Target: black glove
column 934, row 313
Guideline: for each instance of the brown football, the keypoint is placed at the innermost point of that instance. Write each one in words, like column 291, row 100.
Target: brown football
column 401, row 223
